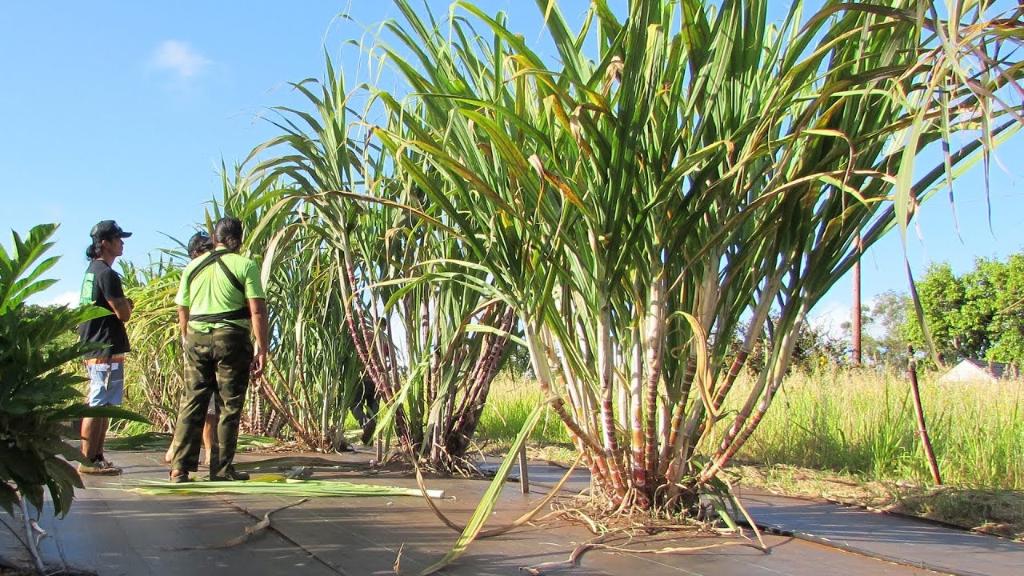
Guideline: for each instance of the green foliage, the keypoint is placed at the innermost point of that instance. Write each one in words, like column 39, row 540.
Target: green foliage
column 38, row 392
column 975, row 315
column 884, row 337
column 815, row 348
column 885, row 341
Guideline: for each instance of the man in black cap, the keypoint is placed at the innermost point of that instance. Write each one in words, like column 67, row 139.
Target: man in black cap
column 102, row 287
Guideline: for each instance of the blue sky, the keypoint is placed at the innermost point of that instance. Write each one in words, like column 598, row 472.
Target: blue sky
column 124, row 110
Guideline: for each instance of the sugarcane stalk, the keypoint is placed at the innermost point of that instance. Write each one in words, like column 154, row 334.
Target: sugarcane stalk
column 678, row 413
column 605, row 374
column 282, row 409
column 754, row 330
column 922, row 427
column 653, row 344
column 470, row 417
column 777, row 375
column 542, row 370
column 345, row 281
column 637, row 432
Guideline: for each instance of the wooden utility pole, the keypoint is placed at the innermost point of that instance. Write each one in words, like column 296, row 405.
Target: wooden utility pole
column 855, row 325
column 922, row 429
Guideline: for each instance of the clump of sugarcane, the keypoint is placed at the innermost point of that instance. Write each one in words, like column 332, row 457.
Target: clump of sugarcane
column 699, row 167
column 157, row 374
column 308, row 387
column 430, row 354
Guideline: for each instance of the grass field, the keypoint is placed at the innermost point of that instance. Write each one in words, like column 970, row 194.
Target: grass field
column 862, row 422
column 857, row 422
column 850, row 436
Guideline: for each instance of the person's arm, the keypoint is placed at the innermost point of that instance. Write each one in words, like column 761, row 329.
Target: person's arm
column 258, row 313
column 184, row 301
column 183, row 322
column 122, row 308
column 110, row 288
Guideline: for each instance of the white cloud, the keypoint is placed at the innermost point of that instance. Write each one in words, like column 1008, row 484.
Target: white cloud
column 178, row 57
column 67, row 298
column 829, row 318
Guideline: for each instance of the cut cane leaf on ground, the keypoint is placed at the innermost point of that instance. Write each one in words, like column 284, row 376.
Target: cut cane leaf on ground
column 160, row 440
column 489, row 499
column 289, row 462
column 292, row 488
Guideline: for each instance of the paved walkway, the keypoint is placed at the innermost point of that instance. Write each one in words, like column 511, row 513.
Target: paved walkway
column 889, row 537
column 112, row 532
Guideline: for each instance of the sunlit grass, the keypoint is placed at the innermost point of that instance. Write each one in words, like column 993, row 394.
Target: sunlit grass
column 511, row 400
column 862, row 422
column 857, row 422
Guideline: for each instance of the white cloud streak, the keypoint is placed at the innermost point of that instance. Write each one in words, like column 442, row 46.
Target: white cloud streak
column 180, row 58
column 65, row 298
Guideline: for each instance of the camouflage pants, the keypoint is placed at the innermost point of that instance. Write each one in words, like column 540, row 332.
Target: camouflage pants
column 216, row 363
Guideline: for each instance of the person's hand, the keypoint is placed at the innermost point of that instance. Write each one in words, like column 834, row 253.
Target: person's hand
column 259, row 362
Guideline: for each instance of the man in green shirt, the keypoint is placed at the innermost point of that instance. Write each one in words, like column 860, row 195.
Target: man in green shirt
column 220, row 302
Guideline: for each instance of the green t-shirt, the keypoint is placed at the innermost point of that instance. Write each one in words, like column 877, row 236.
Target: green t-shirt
column 211, row 292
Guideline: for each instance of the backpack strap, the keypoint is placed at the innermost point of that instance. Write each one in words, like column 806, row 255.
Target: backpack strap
column 215, row 257
column 237, row 314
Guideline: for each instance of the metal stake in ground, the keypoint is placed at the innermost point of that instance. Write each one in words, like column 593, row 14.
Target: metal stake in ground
column 922, row 429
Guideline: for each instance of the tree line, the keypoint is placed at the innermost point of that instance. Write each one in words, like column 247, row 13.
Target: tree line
column 978, row 314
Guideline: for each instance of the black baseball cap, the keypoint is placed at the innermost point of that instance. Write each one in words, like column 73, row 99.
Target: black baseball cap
column 108, row 229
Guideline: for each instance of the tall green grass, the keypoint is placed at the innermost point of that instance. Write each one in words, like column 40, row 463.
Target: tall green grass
column 509, row 403
column 853, row 421
column 862, row 422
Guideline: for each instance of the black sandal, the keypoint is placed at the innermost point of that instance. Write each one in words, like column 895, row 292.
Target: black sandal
column 180, row 477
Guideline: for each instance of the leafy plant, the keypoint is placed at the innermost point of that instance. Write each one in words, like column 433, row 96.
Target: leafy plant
column 974, row 315
column 38, row 388
column 677, row 171
column 369, row 275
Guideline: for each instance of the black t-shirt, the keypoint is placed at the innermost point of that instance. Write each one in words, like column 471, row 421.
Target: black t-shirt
column 101, row 284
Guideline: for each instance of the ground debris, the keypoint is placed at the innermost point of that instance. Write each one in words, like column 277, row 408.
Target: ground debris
column 628, row 544
column 249, row 532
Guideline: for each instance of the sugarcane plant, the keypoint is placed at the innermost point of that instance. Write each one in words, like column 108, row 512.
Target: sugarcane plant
column 155, row 378
column 678, row 171
column 428, row 354
column 313, row 371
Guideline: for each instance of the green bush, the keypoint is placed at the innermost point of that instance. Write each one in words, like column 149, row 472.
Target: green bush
column 38, row 385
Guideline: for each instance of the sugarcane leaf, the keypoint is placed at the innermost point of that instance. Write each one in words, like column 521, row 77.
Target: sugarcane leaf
column 490, row 498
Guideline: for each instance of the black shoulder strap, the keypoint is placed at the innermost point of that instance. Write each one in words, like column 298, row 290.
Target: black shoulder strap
column 215, row 256
column 239, row 314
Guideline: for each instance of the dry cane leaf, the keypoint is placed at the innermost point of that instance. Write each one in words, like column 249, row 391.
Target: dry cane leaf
column 397, row 567
column 249, row 532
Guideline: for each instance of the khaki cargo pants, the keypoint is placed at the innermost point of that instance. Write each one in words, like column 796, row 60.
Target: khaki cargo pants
column 216, row 363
